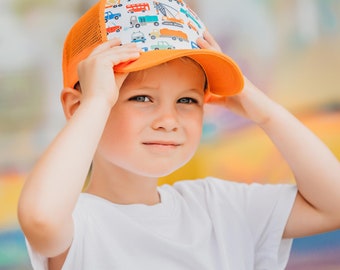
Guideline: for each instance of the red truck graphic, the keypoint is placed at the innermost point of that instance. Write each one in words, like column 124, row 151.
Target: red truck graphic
column 165, row 32
column 141, row 7
column 112, row 29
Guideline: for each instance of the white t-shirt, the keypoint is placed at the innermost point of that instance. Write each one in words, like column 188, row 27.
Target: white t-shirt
column 201, row 224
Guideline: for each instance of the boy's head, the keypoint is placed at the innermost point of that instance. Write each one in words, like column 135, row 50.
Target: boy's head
column 163, row 29
column 155, row 126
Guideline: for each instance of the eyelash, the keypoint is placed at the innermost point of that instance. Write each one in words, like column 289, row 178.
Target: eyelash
column 188, row 100
column 184, row 100
column 138, row 98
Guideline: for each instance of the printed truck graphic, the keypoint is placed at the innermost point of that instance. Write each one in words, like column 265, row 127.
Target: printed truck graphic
column 112, row 29
column 173, row 21
column 138, row 37
column 162, row 45
column 180, row 2
column 109, row 16
column 192, row 27
column 191, row 15
column 165, row 32
column 143, row 20
column 113, row 3
column 171, row 16
column 140, row 7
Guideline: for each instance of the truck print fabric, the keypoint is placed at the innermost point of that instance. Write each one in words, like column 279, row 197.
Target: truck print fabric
column 153, row 25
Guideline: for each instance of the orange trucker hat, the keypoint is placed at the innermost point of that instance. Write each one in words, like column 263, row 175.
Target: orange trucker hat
column 163, row 29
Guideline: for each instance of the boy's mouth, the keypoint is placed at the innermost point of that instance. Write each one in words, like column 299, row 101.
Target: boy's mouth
column 162, row 143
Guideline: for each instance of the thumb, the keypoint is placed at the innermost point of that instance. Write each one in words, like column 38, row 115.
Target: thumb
column 211, row 98
column 120, row 78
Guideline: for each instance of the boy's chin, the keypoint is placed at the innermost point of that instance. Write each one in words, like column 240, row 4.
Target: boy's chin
column 160, row 172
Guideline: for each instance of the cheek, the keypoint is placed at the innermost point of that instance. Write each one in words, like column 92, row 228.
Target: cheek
column 118, row 131
column 194, row 126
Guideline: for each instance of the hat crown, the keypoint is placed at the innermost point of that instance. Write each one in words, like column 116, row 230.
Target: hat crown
column 153, row 25
column 163, row 29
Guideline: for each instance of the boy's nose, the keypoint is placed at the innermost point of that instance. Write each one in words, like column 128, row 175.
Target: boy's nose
column 166, row 119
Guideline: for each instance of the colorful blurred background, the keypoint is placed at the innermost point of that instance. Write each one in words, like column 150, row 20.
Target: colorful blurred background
column 289, row 48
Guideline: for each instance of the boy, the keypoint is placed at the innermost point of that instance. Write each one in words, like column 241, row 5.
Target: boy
column 135, row 114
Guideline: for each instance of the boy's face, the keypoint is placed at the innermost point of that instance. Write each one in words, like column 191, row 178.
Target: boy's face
column 156, row 124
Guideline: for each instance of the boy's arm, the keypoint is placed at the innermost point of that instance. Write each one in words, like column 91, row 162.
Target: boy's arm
column 52, row 188
column 316, row 169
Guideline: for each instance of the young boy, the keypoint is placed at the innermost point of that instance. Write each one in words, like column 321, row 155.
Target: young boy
column 134, row 109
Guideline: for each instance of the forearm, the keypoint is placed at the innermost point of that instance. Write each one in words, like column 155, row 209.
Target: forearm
column 316, row 169
column 53, row 186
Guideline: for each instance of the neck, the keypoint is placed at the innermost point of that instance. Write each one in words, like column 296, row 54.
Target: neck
column 122, row 187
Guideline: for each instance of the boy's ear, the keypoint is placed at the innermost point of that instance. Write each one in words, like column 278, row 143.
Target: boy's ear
column 70, row 100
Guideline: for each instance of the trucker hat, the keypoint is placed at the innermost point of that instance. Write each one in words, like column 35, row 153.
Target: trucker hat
column 163, row 29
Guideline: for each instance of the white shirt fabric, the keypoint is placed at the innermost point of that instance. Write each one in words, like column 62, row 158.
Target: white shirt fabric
column 201, row 224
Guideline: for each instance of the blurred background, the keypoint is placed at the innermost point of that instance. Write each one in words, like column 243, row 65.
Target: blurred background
column 289, row 48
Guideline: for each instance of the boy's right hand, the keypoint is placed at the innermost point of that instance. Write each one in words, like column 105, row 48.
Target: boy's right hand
column 45, row 219
column 96, row 75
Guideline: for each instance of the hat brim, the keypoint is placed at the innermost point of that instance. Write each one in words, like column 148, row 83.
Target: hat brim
column 223, row 75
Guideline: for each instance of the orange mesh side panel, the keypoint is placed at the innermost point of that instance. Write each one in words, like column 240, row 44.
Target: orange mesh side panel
column 86, row 34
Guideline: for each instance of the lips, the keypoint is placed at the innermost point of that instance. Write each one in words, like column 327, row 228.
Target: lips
column 162, row 143
column 161, row 147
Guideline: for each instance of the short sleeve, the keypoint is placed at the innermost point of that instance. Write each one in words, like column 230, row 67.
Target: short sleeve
column 268, row 208
column 38, row 261
column 261, row 211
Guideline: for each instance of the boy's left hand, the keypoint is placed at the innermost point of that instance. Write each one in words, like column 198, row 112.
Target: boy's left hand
column 316, row 170
column 249, row 103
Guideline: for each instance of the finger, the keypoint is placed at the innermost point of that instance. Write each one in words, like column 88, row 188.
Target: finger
column 122, row 55
column 214, row 99
column 208, row 42
column 203, row 44
column 120, row 78
column 106, row 45
column 98, row 68
column 112, row 56
column 210, row 39
column 113, row 48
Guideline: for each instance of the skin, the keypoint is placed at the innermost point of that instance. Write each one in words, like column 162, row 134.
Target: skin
column 158, row 121
column 157, row 117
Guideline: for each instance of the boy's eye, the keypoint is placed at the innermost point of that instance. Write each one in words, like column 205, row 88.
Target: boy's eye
column 187, row 100
column 140, row 99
